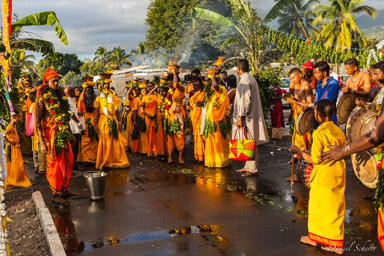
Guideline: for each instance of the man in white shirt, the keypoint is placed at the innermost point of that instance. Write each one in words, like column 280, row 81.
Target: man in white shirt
column 74, row 123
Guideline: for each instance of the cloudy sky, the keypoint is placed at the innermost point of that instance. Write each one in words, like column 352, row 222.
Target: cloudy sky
column 93, row 23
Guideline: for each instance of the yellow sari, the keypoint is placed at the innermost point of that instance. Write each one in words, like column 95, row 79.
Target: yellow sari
column 110, row 152
column 326, row 207
column 88, row 146
column 216, row 146
column 161, row 139
column 16, row 174
column 196, row 115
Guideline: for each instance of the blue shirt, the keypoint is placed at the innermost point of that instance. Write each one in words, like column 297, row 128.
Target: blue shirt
column 331, row 90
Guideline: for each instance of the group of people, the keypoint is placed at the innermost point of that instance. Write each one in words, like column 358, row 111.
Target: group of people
column 326, row 206
column 154, row 117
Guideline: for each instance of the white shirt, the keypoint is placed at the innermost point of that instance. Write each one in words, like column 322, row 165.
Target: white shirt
column 73, row 111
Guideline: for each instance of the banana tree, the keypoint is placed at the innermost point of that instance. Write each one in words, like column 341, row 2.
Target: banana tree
column 246, row 22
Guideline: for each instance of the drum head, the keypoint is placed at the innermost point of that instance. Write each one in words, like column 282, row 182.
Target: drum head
column 345, row 106
column 306, row 121
column 365, row 167
column 359, row 123
column 303, row 171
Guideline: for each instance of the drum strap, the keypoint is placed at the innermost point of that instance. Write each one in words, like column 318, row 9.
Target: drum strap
column 358, row 85
column 325, row 93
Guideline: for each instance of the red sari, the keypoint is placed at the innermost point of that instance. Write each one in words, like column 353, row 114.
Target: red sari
column 277, row 114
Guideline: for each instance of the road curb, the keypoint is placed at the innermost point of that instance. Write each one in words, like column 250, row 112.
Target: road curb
column 56, row 248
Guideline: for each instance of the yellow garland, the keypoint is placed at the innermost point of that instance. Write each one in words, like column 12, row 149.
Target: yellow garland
column 104, row 101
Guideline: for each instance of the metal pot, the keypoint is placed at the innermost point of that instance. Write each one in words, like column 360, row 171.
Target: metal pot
column 96, row 184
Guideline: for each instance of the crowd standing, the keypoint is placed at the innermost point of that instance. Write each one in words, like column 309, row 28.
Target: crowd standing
column 92, row 125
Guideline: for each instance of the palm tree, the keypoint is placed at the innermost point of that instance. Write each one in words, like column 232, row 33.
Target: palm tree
column 118, row 58
column 102, row 54
column 337, row 22
column 20, row 60
column 295, row 17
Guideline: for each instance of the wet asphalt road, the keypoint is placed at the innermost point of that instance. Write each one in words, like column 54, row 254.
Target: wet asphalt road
column 157, row 209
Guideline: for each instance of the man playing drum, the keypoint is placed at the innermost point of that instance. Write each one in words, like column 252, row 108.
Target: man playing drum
column 373, row 139
column 303, row 97
column 358, row 83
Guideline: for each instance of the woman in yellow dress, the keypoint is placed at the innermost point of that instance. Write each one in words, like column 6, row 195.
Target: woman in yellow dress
column 217, row 126
column 196, row 103
column 326, row 207
column 16, row 174
column 131, row 105
column 161, row 137
column 110, row 152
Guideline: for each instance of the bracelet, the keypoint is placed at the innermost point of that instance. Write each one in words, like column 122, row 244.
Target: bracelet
column 347, row 149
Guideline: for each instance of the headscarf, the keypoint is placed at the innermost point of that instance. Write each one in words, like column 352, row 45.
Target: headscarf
column 308, row 65
column 49, row 74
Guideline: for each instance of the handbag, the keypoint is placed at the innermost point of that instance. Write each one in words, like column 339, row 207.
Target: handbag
column 242, row 149
column 30, row 124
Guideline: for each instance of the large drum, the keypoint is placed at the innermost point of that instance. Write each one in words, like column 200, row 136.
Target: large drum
column 345, row 106
column 360, row 122
column 365, row 167
column 303, row 171
column 306, row 121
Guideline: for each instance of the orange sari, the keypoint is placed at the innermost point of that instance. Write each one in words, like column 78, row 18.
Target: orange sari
column 195, row 115
column 176, row 140
column 161, row 139
column 88, row 147
column 16, row 174
column 148, row 138
column 135, row 143
column 59, row 165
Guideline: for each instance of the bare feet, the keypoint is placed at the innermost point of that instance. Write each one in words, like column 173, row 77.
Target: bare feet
column 306, row 240
column 181, row 161
column 242, row 170
column 57, row 199
column 333, row 249
column 290, row 178
column 249, row 174
column 69, row 193
column 170, row 161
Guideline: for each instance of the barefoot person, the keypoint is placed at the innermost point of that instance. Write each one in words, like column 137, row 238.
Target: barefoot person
column 358, row 83
column 303, row 97
column 248, row 113
column 374, row 138
column 16, row 175
column 110, row 151
column 175, row 117
column 326, row 207
column 52, row 126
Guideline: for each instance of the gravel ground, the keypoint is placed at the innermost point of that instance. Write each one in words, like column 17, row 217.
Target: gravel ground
column 25, row 233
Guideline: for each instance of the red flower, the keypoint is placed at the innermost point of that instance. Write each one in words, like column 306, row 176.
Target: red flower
column 53, row 113
column 60, row 123
column 51, row 101
column 59, row 111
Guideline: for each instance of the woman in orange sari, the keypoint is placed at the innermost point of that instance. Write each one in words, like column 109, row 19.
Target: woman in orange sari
column 89, row 139
column 16, row 174
column 149, row 110
column 175, row 116
column 161, row 136
column 136, row 122
column 196, row 103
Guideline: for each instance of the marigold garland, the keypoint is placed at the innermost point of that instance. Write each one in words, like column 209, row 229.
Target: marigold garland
column 58, row 105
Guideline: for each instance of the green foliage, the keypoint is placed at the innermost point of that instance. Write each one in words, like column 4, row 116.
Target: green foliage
column 62, row 63
column 209, row 128
column 91, row 130
column 9, row 153
column 337, row 22
column 174, row 127
column 112, row 128
column 117, row 57
column 91, row 67
column 379, row 196
column 71, row 78
column 171, row 33
column 61, row 138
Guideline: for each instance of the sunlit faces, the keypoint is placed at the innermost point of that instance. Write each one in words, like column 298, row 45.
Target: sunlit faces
column 17, row 118
column 54, row 83
column 378, row 75
column 295, row 77
column 350, row 70
column 319, row 75
column 150, row 87
column 196, row 85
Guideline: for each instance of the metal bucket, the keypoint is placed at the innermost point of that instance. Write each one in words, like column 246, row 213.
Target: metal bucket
column 96, row 184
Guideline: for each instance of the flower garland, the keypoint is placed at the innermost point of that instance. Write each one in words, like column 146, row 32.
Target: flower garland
column 106, row 102
column 58, row 105
column 161, row 105
column 168, row 100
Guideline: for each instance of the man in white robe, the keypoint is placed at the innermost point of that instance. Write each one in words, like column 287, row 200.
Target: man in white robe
column 248, row 113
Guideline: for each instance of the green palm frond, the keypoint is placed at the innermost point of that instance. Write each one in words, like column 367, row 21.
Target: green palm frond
column 277, row 9
column 35, row 45
column 41, row 19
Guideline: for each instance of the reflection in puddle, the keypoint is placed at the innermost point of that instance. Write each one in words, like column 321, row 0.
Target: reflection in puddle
column 208, row 232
